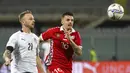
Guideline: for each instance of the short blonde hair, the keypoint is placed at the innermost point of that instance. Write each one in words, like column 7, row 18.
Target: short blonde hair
column 21, row 15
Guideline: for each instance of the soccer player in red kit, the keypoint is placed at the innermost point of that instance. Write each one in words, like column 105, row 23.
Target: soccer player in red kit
column 65, row 41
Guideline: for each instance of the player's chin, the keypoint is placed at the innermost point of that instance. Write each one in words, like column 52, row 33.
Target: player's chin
column 69, row 27
column 31, row 27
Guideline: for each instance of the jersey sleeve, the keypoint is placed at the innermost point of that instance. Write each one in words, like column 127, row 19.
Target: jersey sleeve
column 78, row 39
column 12, row 41
column 46, row 35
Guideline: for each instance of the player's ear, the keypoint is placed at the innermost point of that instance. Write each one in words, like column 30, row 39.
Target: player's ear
column 22, row 21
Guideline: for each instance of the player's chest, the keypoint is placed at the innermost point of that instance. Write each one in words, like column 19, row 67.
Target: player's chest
column 27, row 41
column 61, row 38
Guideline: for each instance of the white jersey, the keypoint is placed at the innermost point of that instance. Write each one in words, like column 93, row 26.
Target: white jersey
column 24, row 54
column 46, row 47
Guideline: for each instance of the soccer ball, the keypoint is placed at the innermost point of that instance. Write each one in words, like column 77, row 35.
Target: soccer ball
column 115, row 11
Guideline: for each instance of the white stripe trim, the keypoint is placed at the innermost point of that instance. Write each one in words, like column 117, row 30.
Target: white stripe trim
column 48, row 61
column 61, row 29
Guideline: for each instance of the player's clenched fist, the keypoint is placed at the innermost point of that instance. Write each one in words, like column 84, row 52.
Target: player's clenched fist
column 7, row 61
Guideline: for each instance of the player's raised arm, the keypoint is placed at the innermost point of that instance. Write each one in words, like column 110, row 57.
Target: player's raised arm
column 75, row 45
column 77, row 49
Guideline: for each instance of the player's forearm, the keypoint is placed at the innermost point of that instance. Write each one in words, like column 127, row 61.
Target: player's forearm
column 7, row 54
column 77, row 49
column 39, row 64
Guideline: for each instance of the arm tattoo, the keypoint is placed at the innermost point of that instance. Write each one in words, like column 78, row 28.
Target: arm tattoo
column 7, row 53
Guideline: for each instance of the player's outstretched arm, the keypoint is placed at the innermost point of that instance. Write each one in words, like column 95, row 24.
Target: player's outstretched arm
column 39, row 64
column 7, row 57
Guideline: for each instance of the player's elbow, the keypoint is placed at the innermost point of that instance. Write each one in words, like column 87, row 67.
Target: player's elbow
column 79, row 53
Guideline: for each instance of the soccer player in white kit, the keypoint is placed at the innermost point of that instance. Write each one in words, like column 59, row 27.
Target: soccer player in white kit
column 22, row 47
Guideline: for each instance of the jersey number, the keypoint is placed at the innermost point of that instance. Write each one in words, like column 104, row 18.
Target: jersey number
column 64, row 45
column 58, row 70
column 30, row 46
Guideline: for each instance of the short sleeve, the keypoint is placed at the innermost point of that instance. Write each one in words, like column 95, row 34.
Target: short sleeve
column 46, row 35
column 78, row 39
column 12, row 41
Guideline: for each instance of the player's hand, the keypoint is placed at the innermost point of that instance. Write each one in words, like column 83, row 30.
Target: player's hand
column 7, row 61
column 67, row 34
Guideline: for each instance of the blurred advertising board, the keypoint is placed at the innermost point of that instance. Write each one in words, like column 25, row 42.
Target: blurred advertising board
column 102, row 67
column 91, row 67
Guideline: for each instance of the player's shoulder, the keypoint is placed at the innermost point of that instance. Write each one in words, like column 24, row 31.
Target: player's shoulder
column 16, row 34
column 35, row 36
column 75, row 31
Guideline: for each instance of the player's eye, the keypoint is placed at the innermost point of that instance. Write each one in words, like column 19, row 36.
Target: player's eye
column 31, row 18
column 72, row 19
column 68, row 19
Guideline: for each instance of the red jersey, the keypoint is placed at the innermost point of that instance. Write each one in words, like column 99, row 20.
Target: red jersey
column 61, row 51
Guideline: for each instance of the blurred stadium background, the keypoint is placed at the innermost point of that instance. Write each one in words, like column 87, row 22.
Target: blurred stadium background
column 110, row 39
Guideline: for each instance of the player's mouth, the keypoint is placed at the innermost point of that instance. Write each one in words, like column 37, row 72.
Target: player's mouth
column 70, row 25
column 33, row 24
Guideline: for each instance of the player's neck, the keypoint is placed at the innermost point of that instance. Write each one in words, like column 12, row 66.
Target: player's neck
column 26, row 30
column 68, row 29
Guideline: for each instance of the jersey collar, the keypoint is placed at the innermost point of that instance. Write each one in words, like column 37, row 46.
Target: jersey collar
column 21, row 30
column 61, row 29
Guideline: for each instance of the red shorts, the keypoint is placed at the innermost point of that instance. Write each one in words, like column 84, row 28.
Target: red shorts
column 59, row 70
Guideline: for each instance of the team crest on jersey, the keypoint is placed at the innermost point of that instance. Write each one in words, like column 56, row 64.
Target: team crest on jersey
column 57, row 35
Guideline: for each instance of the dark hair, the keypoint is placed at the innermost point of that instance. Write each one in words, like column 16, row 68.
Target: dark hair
column 67, row 13
column 23, row 13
